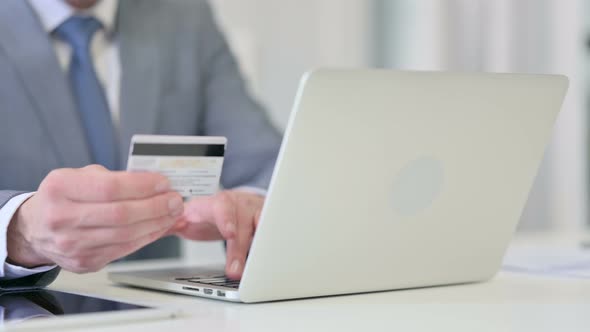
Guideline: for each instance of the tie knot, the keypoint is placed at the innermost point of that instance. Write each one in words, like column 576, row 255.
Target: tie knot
column 78, row 31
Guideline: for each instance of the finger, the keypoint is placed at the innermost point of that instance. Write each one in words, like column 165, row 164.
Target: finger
column 238, row 247
column 122, row 250
column 106, row 237
column 256, row 202
column 127, row 212
column 235, row 259
column 225, row 214
column 81, row 241
column 218, row 210
column 96, row 259
column 198, row 232
column 257, row 218
column 96, row 184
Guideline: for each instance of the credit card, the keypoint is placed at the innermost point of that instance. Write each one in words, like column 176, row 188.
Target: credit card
column 192, row 163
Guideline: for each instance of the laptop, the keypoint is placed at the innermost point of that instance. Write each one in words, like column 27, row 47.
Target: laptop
column 389, row 180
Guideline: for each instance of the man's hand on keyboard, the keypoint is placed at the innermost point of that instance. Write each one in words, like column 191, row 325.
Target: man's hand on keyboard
column 230, row 215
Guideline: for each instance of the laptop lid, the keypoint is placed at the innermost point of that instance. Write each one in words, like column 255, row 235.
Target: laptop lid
column 390, row 180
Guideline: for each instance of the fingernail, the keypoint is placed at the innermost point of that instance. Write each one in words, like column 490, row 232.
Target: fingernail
column 235, row 266
column 163, row 186
column 175, row 206
column 231, row 228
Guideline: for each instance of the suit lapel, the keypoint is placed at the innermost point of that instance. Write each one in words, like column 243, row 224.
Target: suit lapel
column 28, row 47
column 139, row 37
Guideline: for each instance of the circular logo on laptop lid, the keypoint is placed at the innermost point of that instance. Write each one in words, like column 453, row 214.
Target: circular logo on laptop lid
column 417, row 185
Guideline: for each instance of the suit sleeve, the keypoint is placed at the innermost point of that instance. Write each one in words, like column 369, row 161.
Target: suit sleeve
column 14, row 277
column 229, row 110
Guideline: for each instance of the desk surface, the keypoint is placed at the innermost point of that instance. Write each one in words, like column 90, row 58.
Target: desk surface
column 509, row 302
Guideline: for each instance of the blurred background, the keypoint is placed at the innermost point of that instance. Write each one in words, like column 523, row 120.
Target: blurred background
column 277, row 41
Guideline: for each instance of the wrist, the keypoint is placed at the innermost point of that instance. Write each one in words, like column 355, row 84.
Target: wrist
column 20, row 250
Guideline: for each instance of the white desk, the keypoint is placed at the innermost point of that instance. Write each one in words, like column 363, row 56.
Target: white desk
column 510, row 302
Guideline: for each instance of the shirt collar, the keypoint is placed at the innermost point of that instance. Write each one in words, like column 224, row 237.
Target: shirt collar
column 52, row 13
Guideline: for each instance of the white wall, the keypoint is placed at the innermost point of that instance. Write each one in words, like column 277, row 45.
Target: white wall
column 279, row 40
column 534, row 36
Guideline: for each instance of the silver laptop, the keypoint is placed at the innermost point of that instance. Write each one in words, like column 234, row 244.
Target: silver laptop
column 389, row 180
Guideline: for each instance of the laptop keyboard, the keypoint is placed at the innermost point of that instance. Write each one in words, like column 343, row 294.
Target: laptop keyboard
column 221, row 280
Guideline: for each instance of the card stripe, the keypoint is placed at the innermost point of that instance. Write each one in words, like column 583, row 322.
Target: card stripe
column 192, row 150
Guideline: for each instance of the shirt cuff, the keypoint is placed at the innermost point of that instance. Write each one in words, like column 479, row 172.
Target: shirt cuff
column 15, row 271
column 8, row 270
column 252, row 190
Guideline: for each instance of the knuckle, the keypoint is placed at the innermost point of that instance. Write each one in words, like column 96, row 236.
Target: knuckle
column 108, row 188
column 224, row 197
column 74, row 266
column 53, row 224
column 122, row 234
column 157, row 206
column 56, row 174
column 94, row 267
column 64, row 244
column 119, row 213
column 223, row 205
column 55, row 218
column 81, row 264
column 95, row 168
column 52, row 185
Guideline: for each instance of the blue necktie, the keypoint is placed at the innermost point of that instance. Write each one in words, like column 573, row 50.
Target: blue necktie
column 88, row 92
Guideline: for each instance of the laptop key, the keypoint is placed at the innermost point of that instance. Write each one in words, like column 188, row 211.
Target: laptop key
column 209, row 281
column 196, row 281
column 232, row 286
column 218, row 280
column 227, row 284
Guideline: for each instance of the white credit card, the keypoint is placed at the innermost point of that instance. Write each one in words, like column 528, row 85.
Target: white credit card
column 192, row 163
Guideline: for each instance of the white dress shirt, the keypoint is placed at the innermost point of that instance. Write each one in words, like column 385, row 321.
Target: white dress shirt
column 10, row 271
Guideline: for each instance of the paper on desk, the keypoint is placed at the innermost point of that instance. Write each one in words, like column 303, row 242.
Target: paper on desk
column 571, row 262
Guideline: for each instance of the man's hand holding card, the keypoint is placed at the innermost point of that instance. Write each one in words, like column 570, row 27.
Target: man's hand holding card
column 81, row 219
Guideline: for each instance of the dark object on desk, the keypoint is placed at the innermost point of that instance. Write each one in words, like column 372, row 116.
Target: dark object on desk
column 38, row 280
column 22, row 306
